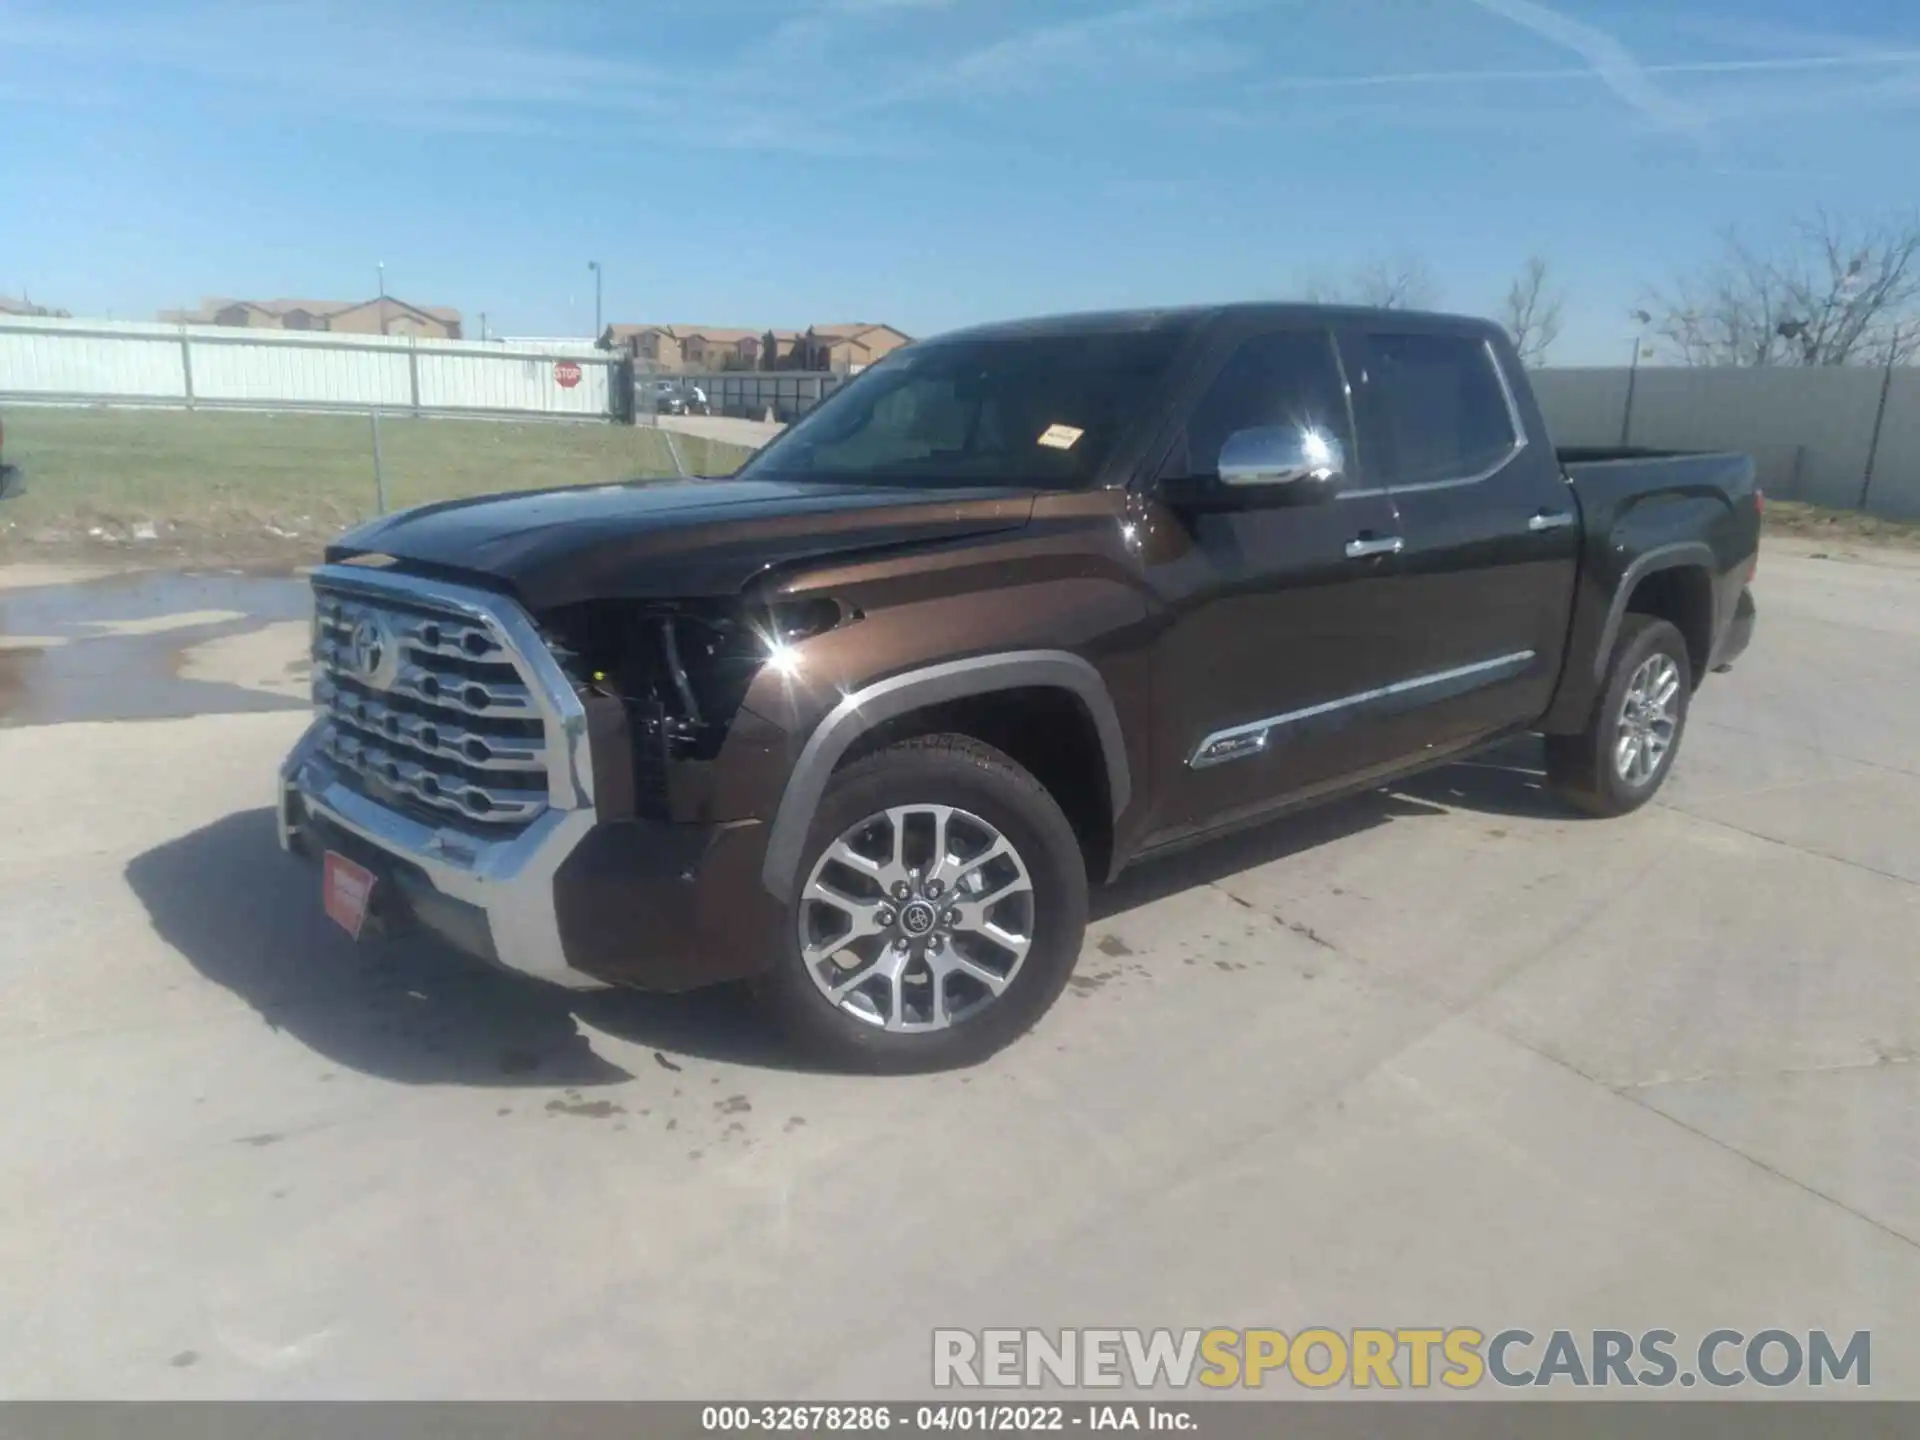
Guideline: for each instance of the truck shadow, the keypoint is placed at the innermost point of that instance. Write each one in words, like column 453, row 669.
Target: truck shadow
column 1506, row 780
column 248, row 918
column 411, row 1010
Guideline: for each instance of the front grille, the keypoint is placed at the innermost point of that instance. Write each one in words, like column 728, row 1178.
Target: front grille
column 428, row 710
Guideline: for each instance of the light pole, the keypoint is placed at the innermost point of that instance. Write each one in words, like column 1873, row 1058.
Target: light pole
column 1642, row 319
column 373, row 415
column 1880, row 414
column 594, row 266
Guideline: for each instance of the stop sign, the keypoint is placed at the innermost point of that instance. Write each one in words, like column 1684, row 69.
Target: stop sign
column 567, row 374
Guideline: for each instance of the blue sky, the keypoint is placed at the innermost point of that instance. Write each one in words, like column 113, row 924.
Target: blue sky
column 927, row 162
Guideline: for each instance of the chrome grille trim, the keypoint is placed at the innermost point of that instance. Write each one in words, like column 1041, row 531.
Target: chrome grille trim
column 469, row 694
column 402, row 775
column 443, row 739
column 473, row 672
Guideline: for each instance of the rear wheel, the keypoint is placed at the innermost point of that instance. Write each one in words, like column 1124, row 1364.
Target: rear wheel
column 1621, row 759
column 939, row 910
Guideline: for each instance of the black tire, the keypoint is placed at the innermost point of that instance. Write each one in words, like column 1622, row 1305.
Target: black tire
column 1581, row 768
column 957, row 771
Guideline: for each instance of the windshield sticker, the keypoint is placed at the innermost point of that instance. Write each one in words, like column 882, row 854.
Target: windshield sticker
column 1059, row 437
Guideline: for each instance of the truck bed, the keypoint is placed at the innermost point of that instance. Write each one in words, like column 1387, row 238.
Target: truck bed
column 1611, row 481
column 1606, row 454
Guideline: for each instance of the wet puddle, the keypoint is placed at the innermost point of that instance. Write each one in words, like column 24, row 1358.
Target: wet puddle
column 153, row 645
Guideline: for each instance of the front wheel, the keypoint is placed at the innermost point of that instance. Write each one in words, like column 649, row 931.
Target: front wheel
column 1622, row 758
column 938, row 912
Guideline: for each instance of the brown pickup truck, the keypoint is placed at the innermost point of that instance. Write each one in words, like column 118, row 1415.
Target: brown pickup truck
column 1012, row 610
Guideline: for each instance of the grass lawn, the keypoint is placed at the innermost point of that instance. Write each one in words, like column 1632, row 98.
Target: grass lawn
column 221, row 484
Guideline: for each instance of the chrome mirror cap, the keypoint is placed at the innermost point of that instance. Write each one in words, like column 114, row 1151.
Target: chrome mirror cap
column 1283, row 455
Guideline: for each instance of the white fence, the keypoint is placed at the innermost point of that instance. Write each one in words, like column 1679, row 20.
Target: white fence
column 221, row 367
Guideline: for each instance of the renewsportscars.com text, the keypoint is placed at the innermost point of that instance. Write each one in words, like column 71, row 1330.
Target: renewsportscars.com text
column 1460, row 1358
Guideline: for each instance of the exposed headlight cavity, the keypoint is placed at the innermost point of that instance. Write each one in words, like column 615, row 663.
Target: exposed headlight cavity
column 682, row 669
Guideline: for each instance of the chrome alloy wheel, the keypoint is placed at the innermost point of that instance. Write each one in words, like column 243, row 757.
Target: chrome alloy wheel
column 916, row 917
column 1648, row 719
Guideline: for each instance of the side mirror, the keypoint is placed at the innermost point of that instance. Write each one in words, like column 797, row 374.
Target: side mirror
column 1268, row 465
column 1283, row 455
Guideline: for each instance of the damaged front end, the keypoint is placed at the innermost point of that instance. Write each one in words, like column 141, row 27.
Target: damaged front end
column 663, row 683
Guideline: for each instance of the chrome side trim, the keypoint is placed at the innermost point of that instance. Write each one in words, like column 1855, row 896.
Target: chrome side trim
column 936, row 684
column 1240, row 741
column 1386, row 545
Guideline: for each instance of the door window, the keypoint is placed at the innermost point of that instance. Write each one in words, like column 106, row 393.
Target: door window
column 1289, row 377
column 1431, row 409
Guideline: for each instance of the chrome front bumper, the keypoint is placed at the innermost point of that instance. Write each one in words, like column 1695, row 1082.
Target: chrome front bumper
column 509, row 881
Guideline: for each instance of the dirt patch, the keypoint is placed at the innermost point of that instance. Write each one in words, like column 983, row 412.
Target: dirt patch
column 1842, row 527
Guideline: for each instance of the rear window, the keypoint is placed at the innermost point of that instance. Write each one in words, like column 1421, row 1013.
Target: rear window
column 1041, row 410
column 1431, row 408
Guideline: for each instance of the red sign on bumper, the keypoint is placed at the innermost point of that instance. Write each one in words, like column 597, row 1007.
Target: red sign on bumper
column 346, row 889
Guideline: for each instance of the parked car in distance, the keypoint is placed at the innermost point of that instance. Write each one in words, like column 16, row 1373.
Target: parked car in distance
column 1010, row 611
column 665, row 397
column 676, row 397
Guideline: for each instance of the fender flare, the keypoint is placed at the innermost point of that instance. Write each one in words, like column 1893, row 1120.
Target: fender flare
column 914, row 690
column 1663, row 557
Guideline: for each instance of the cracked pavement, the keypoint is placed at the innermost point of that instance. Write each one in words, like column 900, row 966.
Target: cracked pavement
column 1439, row 1055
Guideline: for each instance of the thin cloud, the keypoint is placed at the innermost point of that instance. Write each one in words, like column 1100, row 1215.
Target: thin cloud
column 1765, row 36
column 488, row 78
column 1414, row 78
column 1607, row 57
column 1156, row 31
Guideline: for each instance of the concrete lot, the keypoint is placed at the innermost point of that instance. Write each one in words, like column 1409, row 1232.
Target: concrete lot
column 1441, row 1056
column 750, row 433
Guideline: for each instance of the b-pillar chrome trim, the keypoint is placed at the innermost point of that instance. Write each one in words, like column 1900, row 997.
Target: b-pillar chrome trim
column 1240, row 742
column 509, row 879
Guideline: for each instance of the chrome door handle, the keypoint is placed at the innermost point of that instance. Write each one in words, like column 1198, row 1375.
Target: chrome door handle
column 1388, row 545
column 1550, row 520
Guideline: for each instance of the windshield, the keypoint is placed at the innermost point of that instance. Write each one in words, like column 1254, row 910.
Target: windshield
column 1041, row 410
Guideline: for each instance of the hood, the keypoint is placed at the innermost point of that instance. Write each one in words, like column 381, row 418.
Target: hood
column 672, row 539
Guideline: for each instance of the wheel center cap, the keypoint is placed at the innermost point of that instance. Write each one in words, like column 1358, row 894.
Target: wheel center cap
column 917, row 918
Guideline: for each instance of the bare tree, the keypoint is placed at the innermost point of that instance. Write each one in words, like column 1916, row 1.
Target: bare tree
column 1531, row 315
column 1402, row 283
column 1828, row 293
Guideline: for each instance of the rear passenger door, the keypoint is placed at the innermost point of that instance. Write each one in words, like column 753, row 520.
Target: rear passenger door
column 1489, row 527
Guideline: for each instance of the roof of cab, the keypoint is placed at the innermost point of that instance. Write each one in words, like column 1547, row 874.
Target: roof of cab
column 1115, row 322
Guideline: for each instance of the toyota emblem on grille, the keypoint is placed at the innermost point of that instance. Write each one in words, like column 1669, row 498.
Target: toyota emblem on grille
column 372, row 656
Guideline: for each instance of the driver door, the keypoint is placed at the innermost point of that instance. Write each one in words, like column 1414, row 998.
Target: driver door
column 1281, row 613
